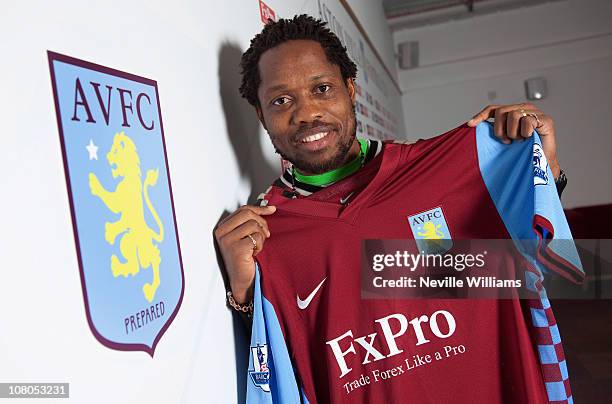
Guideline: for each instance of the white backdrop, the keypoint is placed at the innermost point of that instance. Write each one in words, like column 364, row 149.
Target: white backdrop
column 218, row 156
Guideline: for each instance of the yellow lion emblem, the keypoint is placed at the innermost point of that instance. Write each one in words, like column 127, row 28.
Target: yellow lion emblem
column 432, row 231
column 137, row 237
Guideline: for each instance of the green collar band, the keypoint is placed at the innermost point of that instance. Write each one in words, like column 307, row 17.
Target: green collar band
column 337, row 174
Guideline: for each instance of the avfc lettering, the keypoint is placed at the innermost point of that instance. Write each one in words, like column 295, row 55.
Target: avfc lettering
column 426, row 217
column 387, row 324
column 126, row 102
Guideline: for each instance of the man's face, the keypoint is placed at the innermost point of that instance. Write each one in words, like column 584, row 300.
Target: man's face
column 307, row 107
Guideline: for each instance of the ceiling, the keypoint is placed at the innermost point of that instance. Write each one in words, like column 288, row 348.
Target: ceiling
column 406, row 14
column 394, row 8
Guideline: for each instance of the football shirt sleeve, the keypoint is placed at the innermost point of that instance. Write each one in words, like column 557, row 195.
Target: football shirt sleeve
column 270, row 378
column 523, row 190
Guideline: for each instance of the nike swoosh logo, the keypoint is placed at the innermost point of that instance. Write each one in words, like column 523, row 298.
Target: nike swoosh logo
column 343, row 200
column 303, row 304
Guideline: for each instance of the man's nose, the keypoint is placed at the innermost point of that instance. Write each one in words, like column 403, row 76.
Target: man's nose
column 306, row 111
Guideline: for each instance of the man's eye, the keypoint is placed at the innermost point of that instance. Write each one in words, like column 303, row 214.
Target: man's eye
column 323, row 88
column 280, row 101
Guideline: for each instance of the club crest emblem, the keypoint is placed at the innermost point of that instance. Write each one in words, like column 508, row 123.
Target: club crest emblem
column 540, row 166
column 430, row 231
column 121, row 201
column 260, row 375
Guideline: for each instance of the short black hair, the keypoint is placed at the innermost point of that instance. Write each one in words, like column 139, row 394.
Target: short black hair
column 275, row 33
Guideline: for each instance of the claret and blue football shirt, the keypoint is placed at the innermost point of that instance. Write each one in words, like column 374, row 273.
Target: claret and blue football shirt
column 315, row 340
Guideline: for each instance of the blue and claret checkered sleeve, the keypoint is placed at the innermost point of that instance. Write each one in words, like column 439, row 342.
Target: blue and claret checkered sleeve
column 522, row 188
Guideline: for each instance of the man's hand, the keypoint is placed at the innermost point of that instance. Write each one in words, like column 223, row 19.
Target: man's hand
column 517, row 122
column 237, row 248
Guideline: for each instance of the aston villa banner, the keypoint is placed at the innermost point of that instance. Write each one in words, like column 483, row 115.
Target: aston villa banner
column 121, row 201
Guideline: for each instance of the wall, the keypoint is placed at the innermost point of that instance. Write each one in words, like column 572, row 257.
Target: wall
column 378, row 107
column 218, row 156
column 468, row 64
column 372, row 16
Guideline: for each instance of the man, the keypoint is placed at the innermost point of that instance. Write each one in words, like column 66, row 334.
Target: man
column 341, row 190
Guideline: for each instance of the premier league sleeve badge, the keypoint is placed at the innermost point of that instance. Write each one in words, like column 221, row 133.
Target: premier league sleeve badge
column 120, row 198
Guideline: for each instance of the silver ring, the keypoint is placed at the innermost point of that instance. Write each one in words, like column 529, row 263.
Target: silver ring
column 523, row 114
column 253, row 240
column 537, row 119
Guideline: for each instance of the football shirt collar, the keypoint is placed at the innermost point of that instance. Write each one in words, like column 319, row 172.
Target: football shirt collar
column 339, row 173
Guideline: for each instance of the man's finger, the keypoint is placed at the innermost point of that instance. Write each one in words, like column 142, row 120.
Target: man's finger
column 499, row 126
column 489, row 112
column 513, row 121
column 483, row 115
column 527, row 126
column 509, row 117
column 242, row 231
column 243, row 215
column 246, row 246
column 529, row 123
column 260, row 210
column 259, row 242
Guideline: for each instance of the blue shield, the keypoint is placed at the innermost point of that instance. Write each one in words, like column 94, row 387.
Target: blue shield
column 430, row 231
column 121, row 201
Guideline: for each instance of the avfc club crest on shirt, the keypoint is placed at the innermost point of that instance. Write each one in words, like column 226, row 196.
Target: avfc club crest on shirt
column 121, row 202
column 540, row 166
column 260, row 375
column 430, row 231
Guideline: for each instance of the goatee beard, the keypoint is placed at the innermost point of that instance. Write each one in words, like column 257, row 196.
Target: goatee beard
column 321, row 167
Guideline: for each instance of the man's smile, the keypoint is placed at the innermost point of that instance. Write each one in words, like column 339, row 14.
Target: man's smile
column 315, row 139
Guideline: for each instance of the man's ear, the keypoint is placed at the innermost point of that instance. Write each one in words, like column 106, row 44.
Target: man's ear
column 350, row 85
column 260, row 116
